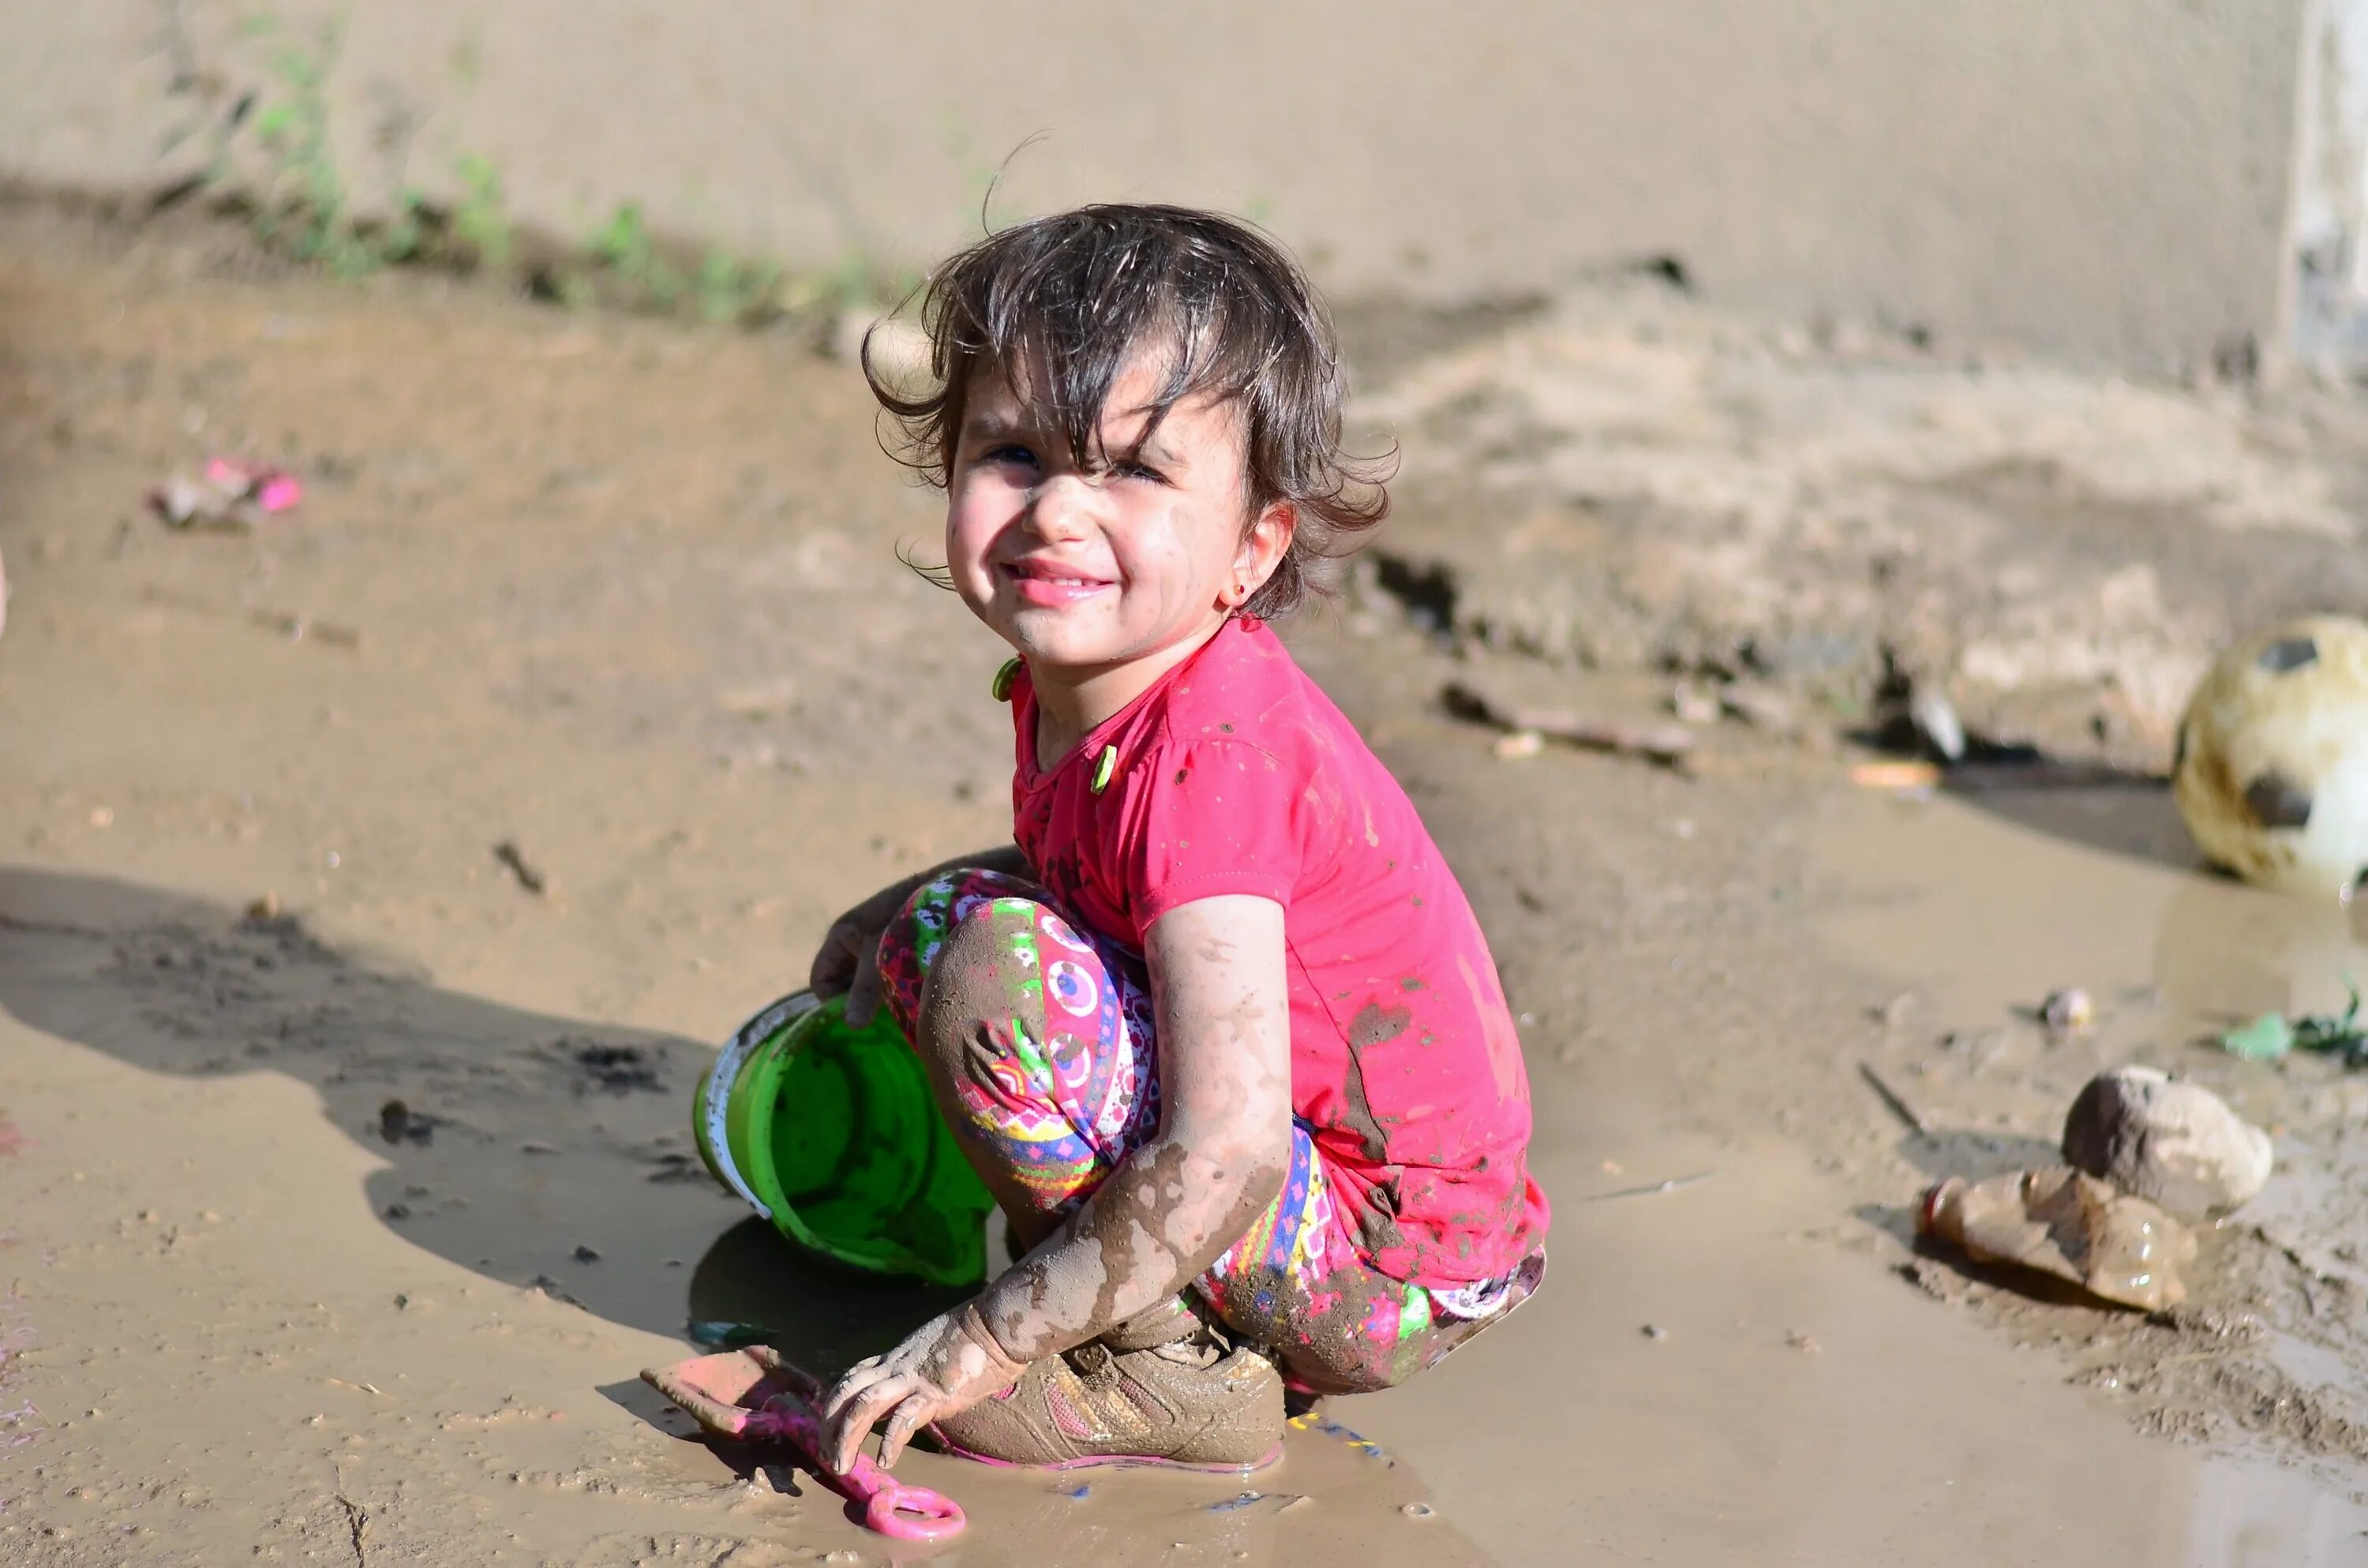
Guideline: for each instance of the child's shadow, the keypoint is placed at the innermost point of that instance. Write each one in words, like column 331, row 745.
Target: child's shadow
column 537, row 1150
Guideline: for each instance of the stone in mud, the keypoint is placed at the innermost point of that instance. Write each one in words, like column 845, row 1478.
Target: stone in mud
column 2068, row 1223
column 2175, row 1145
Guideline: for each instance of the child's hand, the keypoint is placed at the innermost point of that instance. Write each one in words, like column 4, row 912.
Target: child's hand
column 848, row 960
column 945, row 1367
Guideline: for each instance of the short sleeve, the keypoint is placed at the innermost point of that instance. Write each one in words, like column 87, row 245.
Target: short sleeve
column 1207, row 818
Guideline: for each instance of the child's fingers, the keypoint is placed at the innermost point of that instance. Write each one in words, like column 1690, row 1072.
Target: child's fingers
column 908, row 1418
column 868, row 1408
column 834, row 962
column 854, row 1381
column 863, row 992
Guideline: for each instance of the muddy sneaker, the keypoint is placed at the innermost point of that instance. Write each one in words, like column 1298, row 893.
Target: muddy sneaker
column 1178, row 1317
column 1195, row 1402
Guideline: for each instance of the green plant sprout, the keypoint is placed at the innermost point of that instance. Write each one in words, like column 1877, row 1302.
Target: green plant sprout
column 300, row 205
column 304, row 201
column 2272, row 1035
column 481, row 221
column 624, row 248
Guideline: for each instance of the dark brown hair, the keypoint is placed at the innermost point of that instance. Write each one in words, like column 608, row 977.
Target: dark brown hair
column 1072, row 296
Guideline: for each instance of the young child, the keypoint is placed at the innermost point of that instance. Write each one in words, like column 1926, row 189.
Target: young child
column 1219, row 1032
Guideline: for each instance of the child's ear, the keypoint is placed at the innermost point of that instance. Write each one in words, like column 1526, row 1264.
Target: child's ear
column 1264, row 545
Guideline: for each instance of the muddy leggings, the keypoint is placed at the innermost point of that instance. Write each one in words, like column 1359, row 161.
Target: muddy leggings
column 1068, row 1085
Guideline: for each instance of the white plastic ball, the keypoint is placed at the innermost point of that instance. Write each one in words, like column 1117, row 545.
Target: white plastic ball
column 2272, row 772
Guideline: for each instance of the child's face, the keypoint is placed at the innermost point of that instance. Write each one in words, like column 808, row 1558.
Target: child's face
column 1090, row 570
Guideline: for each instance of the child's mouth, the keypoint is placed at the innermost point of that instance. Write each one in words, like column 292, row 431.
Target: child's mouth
column 1043, row 584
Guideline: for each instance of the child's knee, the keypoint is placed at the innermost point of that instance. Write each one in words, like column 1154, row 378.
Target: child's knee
column 973, row 970
column 915, row 941
column 973, row 954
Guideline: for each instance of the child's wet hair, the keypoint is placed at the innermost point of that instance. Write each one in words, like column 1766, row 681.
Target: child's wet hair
column 1068, row 300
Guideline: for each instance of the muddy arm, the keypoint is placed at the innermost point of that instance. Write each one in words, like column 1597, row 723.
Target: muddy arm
column 1222, row 1004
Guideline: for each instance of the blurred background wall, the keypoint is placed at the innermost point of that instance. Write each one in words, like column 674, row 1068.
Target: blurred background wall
column 2110, row 180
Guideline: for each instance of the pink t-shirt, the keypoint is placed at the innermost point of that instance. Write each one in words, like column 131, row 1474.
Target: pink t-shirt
column 1236, row 775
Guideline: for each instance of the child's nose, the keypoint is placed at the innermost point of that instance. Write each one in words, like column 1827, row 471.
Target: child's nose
column 1064, row 506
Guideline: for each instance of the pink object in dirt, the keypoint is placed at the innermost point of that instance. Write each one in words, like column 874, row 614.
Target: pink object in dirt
column 754, row 1396
column 272, row 489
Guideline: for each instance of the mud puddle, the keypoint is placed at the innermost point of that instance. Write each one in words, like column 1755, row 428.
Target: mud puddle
column 627, row 596
column 379, row 1333
column 1982, row 909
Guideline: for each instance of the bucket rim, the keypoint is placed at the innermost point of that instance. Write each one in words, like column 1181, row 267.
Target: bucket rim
column 762, row 1026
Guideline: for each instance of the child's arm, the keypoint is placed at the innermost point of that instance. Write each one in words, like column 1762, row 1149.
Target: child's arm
column 1219, row 987
column 1223, row 1007
column 848, row 959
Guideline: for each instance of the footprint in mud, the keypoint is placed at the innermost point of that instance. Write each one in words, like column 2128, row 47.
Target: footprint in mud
column 619, row 1069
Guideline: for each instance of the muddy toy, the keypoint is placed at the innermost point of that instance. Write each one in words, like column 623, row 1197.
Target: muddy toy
column 756, row 1396
column 2175, row 1145
column 2069, row 1224
column 2271, row 770
column 832, row 1134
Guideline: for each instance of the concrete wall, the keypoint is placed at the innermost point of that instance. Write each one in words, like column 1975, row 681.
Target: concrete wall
column 2102, row 178
column 2329, row 222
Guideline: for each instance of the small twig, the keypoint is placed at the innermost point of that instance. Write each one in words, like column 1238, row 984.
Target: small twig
column 1892, row 1099
column 1651, row 1189
column 356, row 1522
column 510, row 854
column 53, row 928
column 295, row 628
column 1668, row 744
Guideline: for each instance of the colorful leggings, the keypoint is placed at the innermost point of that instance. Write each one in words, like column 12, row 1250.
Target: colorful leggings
column 1073, row 1089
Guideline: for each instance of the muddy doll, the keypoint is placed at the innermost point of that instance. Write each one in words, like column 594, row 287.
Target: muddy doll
column 1219, row 1032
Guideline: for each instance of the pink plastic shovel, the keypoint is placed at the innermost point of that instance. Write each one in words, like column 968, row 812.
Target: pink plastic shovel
column 753, row 1395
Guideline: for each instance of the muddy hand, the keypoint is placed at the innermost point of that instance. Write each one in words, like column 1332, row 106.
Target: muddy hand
column 947, row 1365
column 847, row 963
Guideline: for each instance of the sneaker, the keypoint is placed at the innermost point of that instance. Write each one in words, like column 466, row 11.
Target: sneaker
column 1195, row 1402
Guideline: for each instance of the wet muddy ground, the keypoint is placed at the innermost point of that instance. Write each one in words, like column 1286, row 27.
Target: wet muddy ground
column 346, row 1179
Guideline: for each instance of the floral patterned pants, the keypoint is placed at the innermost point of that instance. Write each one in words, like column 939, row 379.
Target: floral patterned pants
column 1071, row 1088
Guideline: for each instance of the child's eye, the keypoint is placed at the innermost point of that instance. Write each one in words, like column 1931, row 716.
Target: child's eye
column 1138, row 471
column 1009, row 453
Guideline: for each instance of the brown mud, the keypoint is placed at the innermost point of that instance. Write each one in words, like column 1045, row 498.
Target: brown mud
column 336, row 1230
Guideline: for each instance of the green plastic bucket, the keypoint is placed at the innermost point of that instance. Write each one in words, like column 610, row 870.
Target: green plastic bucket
column 832, row 1134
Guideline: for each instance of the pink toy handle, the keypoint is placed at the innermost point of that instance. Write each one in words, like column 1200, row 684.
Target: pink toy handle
column 902, row 1512
column 890, row 1507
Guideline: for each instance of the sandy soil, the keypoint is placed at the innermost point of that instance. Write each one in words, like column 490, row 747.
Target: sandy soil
column 626, row 595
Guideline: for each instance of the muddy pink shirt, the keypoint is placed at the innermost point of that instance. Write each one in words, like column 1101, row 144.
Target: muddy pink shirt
column 1236, row 775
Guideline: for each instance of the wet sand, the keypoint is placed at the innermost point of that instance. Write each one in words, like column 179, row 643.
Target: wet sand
column 626, row 594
